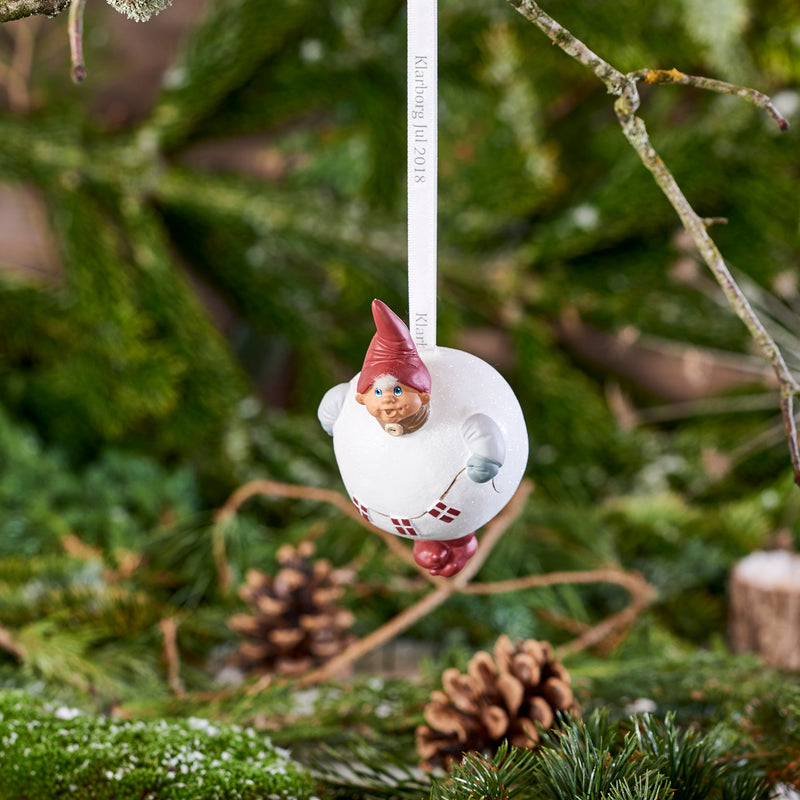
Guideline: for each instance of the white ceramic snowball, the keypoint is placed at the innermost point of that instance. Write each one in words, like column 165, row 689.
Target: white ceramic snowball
column 416, row 485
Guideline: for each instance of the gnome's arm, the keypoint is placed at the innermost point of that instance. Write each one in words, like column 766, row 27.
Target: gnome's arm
column 331, row 406
column 486, row 445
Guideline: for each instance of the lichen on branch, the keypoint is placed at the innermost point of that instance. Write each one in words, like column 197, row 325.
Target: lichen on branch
column 140, row 10
column 711, row 84
column 625, row 87
column 19, row 9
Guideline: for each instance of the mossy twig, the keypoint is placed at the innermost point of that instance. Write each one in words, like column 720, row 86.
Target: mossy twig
column 19, row 9
column 711, row 84
column 624, row 87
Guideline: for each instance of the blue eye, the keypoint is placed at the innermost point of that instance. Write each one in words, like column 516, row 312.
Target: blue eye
column 378, row 392
column 397, row 391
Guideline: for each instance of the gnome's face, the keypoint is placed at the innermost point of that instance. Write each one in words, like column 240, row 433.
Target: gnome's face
column 391, row 402
column 394, row 384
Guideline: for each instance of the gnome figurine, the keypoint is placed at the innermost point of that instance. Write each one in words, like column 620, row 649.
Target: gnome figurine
column 429, row 447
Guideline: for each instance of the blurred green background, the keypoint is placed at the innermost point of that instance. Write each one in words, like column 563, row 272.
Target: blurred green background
column 190, row 243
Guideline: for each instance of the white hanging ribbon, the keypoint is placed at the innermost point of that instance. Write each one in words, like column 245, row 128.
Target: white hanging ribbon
column 422, row 170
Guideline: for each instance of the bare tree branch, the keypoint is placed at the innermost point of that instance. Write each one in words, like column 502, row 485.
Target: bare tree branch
column 9, row 643
column 289, row 490
column 15, row 75
column 711, row 84
column 169, row 630
column 642, row 593
column 571, row 45
column 624, row 87
column 76, row 40
column 444, row 588
column 18, row 9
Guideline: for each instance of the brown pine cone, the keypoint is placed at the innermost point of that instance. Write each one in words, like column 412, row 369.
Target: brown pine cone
column 506, row 697
column 295, row 623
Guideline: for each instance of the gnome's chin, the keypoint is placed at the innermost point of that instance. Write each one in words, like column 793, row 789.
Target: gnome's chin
column 410, row 424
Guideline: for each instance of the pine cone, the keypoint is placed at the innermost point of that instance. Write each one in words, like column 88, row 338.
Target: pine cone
column 505, row 697
column 296, row 624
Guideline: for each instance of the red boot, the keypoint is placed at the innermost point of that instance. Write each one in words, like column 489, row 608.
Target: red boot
column 445, row 558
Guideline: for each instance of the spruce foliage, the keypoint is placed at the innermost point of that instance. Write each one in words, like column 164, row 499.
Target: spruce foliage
column 600, row 759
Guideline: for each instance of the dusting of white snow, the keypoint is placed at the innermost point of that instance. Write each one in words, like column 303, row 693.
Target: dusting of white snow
column 774, row 569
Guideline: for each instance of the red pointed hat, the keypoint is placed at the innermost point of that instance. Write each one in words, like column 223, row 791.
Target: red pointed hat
column 392, row 352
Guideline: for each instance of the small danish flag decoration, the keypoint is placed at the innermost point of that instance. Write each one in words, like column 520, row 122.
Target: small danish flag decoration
column 362, row 509
column 404, row 526
column 443, row 512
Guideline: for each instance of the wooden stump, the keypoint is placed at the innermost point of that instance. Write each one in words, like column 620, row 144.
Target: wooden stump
column 765, row 607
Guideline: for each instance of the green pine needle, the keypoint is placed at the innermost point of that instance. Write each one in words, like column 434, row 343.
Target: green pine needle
column 505, row 776
column 586, row 759
column 373, row 772
column 647, row 786
column 688, row 758
column 598, row 759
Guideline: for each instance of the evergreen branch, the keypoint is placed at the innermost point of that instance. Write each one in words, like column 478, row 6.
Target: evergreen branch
column 586, row 759
column 746, row 786
column 651, row 785
column 596, row 758
column 689, row 759
column 507, row 775
column 308, row 214
column 624, row 87
column 222, row 53
column 376, row 774
column 19, row 9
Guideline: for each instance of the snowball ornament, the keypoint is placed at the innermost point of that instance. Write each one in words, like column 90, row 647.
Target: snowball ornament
column 431, row 445
column 430, row 441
